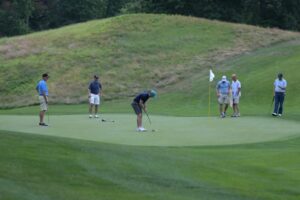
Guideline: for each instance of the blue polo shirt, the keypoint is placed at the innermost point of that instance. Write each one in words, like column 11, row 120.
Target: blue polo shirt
column 42, row 87
column 95, row 87
column 223, row 87
column 143, row 96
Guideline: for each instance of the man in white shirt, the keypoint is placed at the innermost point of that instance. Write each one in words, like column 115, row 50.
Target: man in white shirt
column 280, row 85
column 236, row 93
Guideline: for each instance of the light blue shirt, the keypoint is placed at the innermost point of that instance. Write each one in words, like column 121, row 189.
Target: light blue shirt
column 280, row 85
column 223, row 87
column 42, row 87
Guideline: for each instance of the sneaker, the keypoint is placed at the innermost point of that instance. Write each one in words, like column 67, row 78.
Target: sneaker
column 142, row 129
column 96, row 116
column 43, row 124
column 223, row 115
column 91, row 116
column 234, row 115
column 279, row 115
column 274, row 114
column 238, row 115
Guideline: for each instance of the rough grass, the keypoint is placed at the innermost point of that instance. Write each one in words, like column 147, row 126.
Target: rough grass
column 130, row 52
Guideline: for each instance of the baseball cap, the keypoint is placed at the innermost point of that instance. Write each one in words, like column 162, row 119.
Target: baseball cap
column 224, row 78
column 46, row 75
column 153, row 93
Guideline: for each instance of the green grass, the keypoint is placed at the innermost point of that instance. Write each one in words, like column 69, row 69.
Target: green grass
column 130, row 52
column 40, row 167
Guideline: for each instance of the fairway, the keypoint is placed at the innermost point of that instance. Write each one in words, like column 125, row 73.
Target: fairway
column 170, row 131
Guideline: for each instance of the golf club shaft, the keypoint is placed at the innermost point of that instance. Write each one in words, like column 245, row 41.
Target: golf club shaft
column 148, row 117
column 271, row 104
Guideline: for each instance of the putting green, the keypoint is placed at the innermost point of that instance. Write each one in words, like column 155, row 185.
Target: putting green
column 170, row 131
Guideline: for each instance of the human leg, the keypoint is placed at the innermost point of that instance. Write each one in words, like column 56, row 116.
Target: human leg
column 281, row 101
column 276, row 105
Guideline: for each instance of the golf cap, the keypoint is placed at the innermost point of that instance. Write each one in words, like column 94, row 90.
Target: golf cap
column 153, row 93
column 46, row 75
column 224, row 78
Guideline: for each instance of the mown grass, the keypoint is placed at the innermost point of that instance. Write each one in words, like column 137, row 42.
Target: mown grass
column 37, row 167
column 131, row 53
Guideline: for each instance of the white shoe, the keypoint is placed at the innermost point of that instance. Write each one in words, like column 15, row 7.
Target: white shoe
column 142, row 129
column 96, row 116
column 279, row 115
column 90, row 116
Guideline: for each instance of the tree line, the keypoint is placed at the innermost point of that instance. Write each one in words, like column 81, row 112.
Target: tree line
column 24, row 16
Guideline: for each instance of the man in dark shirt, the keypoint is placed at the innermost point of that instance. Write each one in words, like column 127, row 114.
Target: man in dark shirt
column 94, row 96
column 139, row 104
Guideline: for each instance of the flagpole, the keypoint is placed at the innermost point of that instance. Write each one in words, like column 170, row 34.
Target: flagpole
column 209, row 99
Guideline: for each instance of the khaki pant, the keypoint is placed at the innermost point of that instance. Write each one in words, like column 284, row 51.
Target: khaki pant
column 43, row 104
column 223, row 99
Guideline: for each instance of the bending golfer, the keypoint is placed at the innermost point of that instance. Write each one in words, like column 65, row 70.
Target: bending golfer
column 280, row 85
column 223, row 89
column 139, row 104
column 94, row 96
column 42, row 90
column 236, row 93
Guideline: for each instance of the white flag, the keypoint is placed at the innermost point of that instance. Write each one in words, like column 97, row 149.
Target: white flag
column 211, row 76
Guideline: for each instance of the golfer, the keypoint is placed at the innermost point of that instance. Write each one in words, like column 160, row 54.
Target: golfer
column 223, row 90
column 95, row 89
column 139, row 104
column 42, row 90
column 280, row 85
column 235, row 95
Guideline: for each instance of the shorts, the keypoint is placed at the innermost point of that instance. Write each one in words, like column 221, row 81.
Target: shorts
column 136, row 107
column 95, row 99
column 236, row 100
column 43, row 104
column 223, row 99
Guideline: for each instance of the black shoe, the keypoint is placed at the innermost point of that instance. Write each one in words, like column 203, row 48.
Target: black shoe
column 43, row 124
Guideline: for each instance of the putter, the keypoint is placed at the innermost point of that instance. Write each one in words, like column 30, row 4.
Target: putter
column 270, row 109
column 153, row 130
column 148, row 118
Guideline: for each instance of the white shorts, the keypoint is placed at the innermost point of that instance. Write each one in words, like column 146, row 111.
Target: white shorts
column 95, row 99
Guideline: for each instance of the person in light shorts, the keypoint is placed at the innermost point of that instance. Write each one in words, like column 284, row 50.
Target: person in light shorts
column 223, row 89
column 94, row 96
column 236, row 93
column 42, row 90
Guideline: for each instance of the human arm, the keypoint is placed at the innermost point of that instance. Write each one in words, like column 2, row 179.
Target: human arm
column 143, row 105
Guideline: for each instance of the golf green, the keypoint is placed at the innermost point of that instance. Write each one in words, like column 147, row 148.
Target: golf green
column 169, row 131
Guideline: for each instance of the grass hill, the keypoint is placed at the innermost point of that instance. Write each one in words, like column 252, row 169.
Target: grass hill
column 131, row 53
column 134, row 52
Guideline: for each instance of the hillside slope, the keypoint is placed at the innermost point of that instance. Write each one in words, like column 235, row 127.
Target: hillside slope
column 130, row 52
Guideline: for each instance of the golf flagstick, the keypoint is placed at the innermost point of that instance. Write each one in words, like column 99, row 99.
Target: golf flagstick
column 211, row 78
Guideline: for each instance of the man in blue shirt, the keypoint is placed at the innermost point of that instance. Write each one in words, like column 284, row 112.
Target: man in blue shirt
column 94, row 96
column 223, row 90
column 280, row 85
column 139, row 104
column 42, row 90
